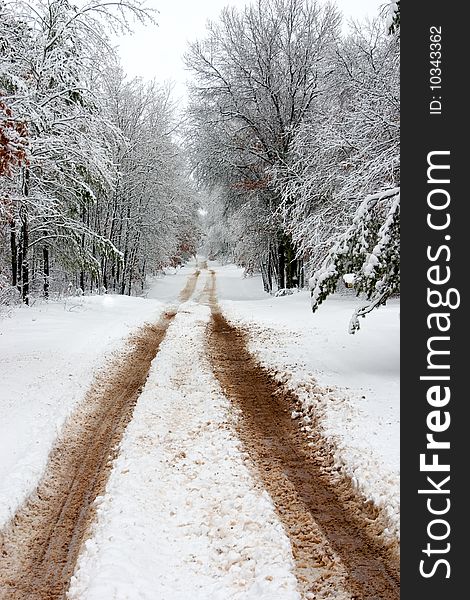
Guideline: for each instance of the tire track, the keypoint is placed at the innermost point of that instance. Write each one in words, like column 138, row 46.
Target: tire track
column 206, row 294
column 336, row 552
column 189, row 288
column 40, row 545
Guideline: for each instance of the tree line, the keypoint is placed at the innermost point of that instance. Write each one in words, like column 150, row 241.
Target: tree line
column 294, row 138
column 94, row 190
column 291, row 136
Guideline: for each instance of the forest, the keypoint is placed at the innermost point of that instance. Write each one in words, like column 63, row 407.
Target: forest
column 183, row 415
column 285, row 161
column 94, row 192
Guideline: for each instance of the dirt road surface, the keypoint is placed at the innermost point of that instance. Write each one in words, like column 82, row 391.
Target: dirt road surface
column 329, row 525
column 334, row 533
column 40, row 545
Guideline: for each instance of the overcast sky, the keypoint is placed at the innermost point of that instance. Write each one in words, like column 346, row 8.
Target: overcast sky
column 157, row 51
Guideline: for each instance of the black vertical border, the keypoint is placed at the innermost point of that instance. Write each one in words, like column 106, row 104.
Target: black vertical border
column 423, row 133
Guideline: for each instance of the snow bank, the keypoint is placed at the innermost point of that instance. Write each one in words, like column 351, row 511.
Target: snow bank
column 182, row 516
column 48, row 356
column 359, row 402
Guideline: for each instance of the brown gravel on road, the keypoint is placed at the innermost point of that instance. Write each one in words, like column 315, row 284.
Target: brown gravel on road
column 39, row 547
column 328, row 524
column 188, row 289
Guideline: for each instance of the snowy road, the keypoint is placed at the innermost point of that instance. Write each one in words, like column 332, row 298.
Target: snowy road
column 208, row 495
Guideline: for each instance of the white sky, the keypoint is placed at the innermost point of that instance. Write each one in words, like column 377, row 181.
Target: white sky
column 156, row 52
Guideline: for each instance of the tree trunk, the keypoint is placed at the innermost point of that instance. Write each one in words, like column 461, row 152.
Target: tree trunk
column 291, row 266
column 118, row 275
column 124, row 269
column 104, row 274
column 24, row 260
column 23, row 265
column 129, row 291
column 281, row 275
column 144, row 266
column 266, row 270
column 113, row 274
column 19, row 262
column 14, row 254
column 266, row 276
column 46, row 272
column 84, row 216
column 301, row 273
column 126, row 261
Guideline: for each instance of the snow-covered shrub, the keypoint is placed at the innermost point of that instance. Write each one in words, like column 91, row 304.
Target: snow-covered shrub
column 284, row 292
column 9, row 295
column 370, row 249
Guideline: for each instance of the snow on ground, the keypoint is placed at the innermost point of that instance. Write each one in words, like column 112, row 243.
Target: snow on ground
column 181, row 516
column 181, row 511
column 360, row 411
column 168, row 285
column 48, row 356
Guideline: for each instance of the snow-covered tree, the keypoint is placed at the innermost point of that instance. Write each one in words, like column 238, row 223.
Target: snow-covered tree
column 346, row 168
column 392, row 12
column 152, row 213
column 92, row 193
column 369, row 249
column 13, row 141
column 46, row 77
column 257, row 77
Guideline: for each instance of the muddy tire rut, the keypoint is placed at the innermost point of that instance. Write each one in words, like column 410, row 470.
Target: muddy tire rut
column 336, row 545
column 189, row 288
column 40, row 545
